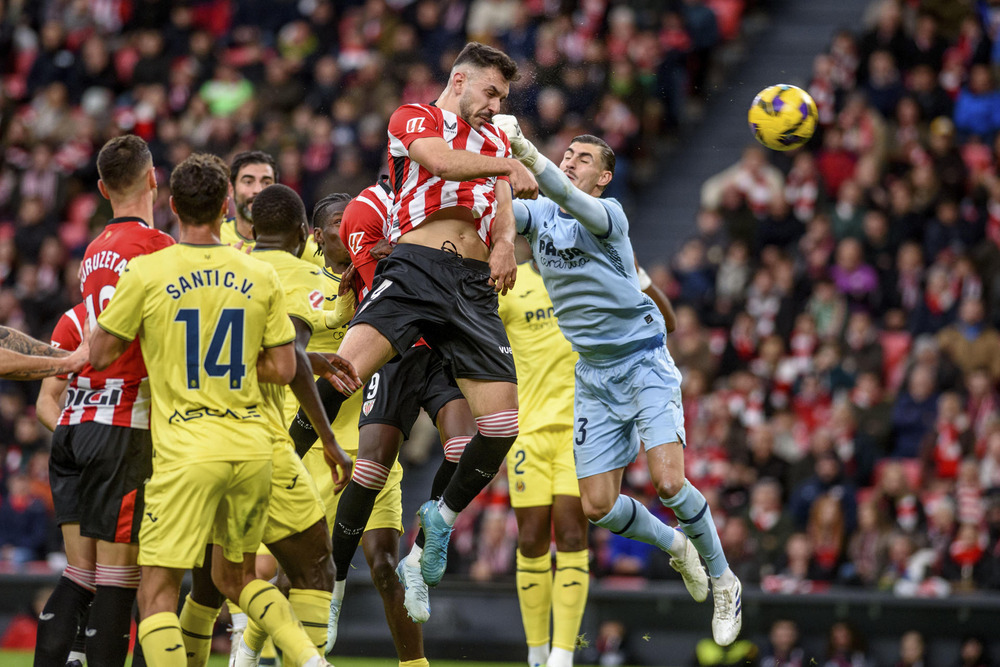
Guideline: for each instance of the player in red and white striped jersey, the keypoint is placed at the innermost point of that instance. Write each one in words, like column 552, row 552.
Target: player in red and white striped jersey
column 366, row 228
column 452, row 181
column 101, row 449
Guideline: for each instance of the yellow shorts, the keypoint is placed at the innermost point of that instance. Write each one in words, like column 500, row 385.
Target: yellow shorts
column 295, row 501
column 388, row 510
column 213, row 501
column 540, row 466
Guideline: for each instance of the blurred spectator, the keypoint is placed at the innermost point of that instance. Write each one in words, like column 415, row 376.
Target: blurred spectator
column 972, row 343
column 866, row 550
column 24, row 524
column 911, row 650
column 973, row 652
column 845, row 647
column 770, row 525
column 783, row 648
column 914, row 413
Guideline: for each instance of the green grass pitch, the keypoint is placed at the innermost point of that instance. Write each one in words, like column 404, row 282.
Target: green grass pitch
column 23, row 659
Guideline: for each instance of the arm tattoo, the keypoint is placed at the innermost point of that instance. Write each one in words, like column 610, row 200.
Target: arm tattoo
column 36, row 374
column 15, row 341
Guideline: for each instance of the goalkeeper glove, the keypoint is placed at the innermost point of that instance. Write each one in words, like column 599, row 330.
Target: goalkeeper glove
column 523, row 150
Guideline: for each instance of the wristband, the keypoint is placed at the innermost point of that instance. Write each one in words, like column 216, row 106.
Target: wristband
column 645, row 282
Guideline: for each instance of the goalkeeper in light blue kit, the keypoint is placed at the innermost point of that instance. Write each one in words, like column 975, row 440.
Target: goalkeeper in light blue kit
column 627, row 386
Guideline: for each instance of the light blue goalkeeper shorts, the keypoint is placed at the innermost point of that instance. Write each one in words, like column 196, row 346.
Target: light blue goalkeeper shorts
column 622, row 401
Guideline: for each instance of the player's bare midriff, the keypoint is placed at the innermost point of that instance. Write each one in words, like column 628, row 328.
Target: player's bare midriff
column 451, row 229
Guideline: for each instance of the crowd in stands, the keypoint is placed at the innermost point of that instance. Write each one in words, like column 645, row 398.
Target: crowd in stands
column 838, row 307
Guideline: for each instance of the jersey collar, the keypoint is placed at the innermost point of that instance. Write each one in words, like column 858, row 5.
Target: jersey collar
column 128, row 218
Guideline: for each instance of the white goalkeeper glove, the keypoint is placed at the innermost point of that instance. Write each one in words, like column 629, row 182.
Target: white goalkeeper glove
column 524, row 151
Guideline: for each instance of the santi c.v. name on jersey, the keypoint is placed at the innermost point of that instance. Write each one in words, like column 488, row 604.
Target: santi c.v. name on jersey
column 208, row 278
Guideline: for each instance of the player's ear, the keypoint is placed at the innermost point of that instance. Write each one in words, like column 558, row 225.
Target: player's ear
column 103, row 189
column 604, row 179
column 225, row 208
column 151, row 178
column 173, row 207
column 458, row 80
column 318, row 236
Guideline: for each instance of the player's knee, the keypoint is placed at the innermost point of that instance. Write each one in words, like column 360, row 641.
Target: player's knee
column 498, row 430
column 312, row 569
column 670, row 484
column 596, row 509
column 383, row 570
column 572, row 538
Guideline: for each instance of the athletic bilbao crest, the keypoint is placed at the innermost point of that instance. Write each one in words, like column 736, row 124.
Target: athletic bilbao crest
column 366, row 407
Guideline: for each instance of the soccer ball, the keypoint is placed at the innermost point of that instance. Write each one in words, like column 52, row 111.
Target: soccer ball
column 782, row 117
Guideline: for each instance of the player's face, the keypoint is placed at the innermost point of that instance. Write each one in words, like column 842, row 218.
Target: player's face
column 583, row 166
column 328, row 239
column 249, row 182
column 482, row 93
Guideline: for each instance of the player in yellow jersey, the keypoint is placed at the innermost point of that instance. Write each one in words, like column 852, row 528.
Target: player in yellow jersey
column 249, row 173
column 212, row 325
column 296, row 533
column 543, row 488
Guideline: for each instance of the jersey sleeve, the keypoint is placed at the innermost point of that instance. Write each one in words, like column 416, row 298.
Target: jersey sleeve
column 67, row 334
column 360, row 231
column 409, row 123
column 123, row 314
column 304, row 298
column 617, row 222
column 278, row 329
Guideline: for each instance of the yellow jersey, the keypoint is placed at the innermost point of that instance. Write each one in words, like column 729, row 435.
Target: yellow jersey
column 345, row 426
column 202, row 314
column 302, row 283
column 544, row 359
column 230, row 235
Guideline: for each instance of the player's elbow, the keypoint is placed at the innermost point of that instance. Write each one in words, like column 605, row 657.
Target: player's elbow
column 439, row 165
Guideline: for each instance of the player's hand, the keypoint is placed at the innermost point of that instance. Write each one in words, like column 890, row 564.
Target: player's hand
column 347, row 282
column 381, row 250
column 503, row 266
column 78, row 358
column 523, row 149
column 340, row 464
column 522, row 181
column 338, row 371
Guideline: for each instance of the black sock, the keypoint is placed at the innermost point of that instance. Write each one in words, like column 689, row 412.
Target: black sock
column 80, row 641
column 138, row 657
column 444, row 474
column 108, row 628
column 353, row 512
column 479, row 464
column 302, row 431
column 59, row 622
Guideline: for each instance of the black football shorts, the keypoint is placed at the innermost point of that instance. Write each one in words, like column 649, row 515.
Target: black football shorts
column 446, row 299
column 98, row 474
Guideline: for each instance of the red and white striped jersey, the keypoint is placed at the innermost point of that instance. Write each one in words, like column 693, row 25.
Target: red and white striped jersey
column 365, row 223
column 418, row 193
column 118, row 395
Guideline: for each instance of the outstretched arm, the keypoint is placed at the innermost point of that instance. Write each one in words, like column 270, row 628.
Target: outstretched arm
column 553, row 183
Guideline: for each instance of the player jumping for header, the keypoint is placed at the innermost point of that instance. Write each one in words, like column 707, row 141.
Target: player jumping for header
column 627, row 386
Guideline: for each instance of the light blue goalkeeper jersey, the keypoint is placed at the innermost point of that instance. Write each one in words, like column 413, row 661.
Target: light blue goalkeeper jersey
column 590, row 278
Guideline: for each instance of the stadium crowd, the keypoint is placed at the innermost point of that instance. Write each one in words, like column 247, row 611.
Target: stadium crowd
column 838, row 308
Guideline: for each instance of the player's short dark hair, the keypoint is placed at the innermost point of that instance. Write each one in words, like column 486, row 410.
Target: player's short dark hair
column 607, row 154
column 123, row 161
column 251, row 157
column 199, row 186
column 484, row 57
column 277, row 209
column 325, row 208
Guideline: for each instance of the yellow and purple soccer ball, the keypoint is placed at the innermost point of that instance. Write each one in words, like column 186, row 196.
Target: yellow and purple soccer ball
column 782, row 117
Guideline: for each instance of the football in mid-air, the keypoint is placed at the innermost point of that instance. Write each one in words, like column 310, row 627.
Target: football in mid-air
column 782, row 117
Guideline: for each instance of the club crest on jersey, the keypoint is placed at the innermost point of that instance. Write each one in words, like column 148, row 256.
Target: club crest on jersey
column 367, row 406
column 519, row 486
column 354, row 240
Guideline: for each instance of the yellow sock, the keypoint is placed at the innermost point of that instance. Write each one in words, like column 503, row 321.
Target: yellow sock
column 269, row 609
column 254, row 637
column 268, row 651
column 312, row 608
column 569, row 597
column 534, row 592
column 161, row 640
column 419, row 662
column 197, row 622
